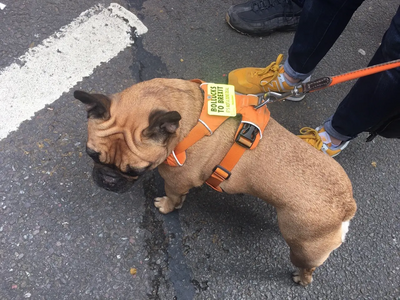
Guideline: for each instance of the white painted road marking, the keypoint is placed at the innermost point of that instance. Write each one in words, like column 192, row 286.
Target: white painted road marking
column 45, row 72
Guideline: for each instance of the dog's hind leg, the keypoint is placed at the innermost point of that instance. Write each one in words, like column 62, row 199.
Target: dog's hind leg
column 303, row 276
column 307, row 261
column 308, row 254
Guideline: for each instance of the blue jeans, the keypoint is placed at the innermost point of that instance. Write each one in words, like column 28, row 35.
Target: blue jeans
column 373, row 97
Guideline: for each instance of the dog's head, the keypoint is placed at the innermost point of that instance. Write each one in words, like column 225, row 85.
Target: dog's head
column 128, row 134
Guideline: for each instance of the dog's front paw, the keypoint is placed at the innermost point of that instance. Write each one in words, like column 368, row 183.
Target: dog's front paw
column 296, row 277
column 301, row 279
column 164, row 204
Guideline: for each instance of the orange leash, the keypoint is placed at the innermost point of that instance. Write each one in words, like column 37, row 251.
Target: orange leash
column 325, row 82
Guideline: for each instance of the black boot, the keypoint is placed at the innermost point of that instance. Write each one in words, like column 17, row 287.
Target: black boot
column 264, row 16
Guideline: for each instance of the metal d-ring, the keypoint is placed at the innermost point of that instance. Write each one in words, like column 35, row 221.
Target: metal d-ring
column 271, row 97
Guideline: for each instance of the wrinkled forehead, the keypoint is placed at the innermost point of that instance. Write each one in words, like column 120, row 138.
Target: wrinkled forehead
column 119, row 140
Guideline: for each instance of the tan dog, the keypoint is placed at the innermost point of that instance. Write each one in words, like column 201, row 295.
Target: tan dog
column 136, row 129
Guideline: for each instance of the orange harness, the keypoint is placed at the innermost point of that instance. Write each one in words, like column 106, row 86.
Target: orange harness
column 247, row 136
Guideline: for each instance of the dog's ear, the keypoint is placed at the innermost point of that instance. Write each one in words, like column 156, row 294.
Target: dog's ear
column 97, row 105
column 162, row 125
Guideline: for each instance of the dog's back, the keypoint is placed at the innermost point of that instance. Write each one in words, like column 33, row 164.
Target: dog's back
column 310, row 191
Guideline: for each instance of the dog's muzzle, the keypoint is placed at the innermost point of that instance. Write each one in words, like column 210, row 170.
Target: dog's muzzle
column 111, row 179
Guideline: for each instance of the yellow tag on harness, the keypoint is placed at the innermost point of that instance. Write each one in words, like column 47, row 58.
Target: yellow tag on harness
column 221, row 100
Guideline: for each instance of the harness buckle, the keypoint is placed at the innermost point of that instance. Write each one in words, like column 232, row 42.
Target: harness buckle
column 221, row 172
column 247, row 135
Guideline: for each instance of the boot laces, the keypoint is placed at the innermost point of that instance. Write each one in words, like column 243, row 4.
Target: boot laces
column 261, row 5
column 271, row 71
column 311, row 136
column 265, row 4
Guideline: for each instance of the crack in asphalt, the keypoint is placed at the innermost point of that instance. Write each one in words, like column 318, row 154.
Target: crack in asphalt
column 157, row 244
column 166, row 240
column 137, row 4
column 146, row 65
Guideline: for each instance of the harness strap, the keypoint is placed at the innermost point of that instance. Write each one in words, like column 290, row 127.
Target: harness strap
column 201, row 129
column 247, row 137
column 206, row 125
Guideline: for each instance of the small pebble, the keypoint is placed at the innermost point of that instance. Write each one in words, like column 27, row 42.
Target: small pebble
column 361, row 51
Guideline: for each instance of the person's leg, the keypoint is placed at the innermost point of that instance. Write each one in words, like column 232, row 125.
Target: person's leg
column 321, row 23
column 371, row 100
column 373, row 97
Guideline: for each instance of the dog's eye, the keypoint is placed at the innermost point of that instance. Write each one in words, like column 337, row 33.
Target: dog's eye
column 93, row 154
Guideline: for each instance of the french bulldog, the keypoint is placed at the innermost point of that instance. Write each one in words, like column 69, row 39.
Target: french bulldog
column 134, row 131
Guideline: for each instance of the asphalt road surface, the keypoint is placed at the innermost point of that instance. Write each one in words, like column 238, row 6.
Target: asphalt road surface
column 62, row 237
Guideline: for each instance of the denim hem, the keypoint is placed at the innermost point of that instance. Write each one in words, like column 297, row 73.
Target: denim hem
column 332, row 132
column 292, row 73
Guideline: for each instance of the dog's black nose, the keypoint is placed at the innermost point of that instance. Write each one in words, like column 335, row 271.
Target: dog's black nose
column 111, row 179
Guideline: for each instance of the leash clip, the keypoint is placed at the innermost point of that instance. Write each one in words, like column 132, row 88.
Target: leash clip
column 270, row 97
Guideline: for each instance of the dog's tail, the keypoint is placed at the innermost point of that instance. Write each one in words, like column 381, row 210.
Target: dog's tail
column 349, row 209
